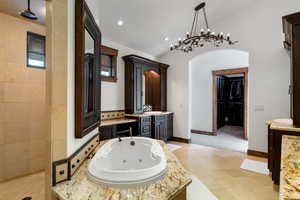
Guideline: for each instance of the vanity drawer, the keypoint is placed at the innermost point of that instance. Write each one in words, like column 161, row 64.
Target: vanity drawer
column 160, row 118
column 146, row 120
column 146, row 129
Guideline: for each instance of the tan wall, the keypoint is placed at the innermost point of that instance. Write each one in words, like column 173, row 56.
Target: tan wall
column 22, row 102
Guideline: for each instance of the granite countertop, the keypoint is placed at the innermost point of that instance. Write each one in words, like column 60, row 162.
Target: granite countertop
column 282, row 124
column 80, row 188
column 147, row 114
column 290, row 168
column 116, row 121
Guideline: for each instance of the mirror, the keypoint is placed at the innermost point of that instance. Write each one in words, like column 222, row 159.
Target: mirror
column 87, row 71
column 151, row 89
column 88, row 76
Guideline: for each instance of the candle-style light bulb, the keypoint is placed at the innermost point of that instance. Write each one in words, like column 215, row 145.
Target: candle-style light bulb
column 228, row 36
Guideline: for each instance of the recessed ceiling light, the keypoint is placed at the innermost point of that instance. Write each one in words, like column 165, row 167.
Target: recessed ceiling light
column 166, row 38
column 120, row 23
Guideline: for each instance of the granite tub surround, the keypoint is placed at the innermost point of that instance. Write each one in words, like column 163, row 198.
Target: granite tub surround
column 81, row 188
column 282, row 124
column 290, row 168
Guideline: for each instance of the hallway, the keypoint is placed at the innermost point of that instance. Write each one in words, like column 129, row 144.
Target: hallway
column 228, row 137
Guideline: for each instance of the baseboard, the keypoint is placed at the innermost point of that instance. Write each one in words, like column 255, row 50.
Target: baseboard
column 203, row 132
column 183, row 140
column 257, row 153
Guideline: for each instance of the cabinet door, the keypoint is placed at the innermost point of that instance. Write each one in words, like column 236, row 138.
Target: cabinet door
column 161, row 128
column 106, row 132
column 170, row 126
column 145, row 127
column 138, row 87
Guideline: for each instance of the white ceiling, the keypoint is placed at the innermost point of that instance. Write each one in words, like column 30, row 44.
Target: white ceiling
column 148, row 22
column 13, row 7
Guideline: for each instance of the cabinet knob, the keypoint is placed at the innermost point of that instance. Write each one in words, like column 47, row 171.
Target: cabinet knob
column 78, row 161
column 61, row 172
column 73, row 166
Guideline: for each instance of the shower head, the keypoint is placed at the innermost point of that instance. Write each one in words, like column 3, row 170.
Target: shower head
column 28, row 13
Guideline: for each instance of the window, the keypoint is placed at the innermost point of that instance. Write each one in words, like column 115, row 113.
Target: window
column 36, row 53
column 109, row 64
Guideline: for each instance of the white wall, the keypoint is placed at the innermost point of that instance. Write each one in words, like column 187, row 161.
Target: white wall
column 258, row 29
column 112, row 94
column 201, row 82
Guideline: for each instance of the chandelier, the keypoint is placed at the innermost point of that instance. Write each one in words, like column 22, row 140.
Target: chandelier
column 195, row 39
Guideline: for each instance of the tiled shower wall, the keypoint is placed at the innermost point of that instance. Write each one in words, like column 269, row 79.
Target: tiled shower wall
column 22, row 102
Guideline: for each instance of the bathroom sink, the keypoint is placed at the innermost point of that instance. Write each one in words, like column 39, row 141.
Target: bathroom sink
column 283, row 121
column 153, row 113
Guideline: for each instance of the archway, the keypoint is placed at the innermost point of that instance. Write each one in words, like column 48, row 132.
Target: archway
column 201, row 84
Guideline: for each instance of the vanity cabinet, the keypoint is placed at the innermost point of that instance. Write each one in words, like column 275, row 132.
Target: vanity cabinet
column 145, row 126
column 107, row 132
column 135, row 66
column 159, row 127
column 274, row 151
column 170, row 126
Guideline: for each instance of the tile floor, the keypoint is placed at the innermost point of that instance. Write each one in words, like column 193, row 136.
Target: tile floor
column 17, row 189
column 218, row 169
column 228, row 137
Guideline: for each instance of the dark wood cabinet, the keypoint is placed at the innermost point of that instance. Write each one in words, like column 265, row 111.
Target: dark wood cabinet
column 291, row 29
column 159, row 127
column 170, row 126
column 138, row 84
column 107, row 132
column 145, row 126
column 274, row 151
column 135, row 66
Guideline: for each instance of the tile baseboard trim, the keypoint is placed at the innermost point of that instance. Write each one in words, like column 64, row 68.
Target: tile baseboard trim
column 257, row 153
column 182, row 140
column 203, row 132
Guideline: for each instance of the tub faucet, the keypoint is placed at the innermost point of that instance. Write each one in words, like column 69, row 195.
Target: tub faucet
column 132, row 142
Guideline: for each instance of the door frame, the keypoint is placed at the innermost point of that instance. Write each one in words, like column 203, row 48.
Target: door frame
column 214, row 92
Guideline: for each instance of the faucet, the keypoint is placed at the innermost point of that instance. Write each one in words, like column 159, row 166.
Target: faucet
column 120, row 140
column 132, row 142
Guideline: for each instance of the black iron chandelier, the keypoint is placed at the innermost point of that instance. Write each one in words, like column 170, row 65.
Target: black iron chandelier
column 195, row 39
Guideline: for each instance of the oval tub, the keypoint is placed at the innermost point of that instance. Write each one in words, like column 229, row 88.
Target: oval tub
column 123, row 164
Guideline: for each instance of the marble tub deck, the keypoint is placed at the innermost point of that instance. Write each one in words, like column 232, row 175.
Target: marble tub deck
column 290, row 168
column 80, row 188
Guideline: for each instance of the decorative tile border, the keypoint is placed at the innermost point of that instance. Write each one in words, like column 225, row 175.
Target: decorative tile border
column 63, row 170
column 114, row 114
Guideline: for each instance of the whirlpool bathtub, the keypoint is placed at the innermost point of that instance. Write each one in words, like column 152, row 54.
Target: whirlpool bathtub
column 129, row 162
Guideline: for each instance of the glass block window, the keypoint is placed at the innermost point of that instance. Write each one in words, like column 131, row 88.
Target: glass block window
column 36, row 50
